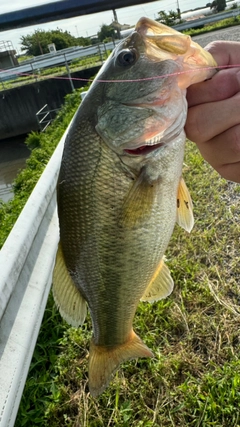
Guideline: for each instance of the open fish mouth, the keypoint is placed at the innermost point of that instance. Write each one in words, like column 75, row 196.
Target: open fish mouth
column 144, row 149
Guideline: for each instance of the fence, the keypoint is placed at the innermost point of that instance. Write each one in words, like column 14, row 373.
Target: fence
column 26, row 264
column 45, row 116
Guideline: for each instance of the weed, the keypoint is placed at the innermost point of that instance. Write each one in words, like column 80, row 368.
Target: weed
column 213, row 26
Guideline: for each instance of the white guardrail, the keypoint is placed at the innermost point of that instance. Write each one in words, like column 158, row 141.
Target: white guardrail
column 51, row 59
column 26, row 264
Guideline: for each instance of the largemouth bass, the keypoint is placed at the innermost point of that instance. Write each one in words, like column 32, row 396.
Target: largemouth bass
column 120, row 190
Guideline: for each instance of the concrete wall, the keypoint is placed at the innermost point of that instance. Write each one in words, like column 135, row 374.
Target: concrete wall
column 8, row 59
column 18, row 106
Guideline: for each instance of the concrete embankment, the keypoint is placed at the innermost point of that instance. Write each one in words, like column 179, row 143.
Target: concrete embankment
column 18, row 106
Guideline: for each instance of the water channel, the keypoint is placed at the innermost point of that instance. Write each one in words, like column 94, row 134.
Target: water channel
column 13, row 156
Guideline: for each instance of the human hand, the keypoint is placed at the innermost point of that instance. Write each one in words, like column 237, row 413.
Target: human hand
column 213, row 120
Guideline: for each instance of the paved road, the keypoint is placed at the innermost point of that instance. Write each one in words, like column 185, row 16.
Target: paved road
column 231, row 34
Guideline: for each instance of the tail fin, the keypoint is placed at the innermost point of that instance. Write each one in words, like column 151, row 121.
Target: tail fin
column 103, row 361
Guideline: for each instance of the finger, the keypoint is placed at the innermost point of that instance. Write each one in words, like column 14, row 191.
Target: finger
column 230, row 172
column 206, row 121
column 224, row 52
column 224, row 84
column 223, row 153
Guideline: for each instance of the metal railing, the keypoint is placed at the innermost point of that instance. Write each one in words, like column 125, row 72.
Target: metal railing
column 6, row 45
column 45, row 117
column 26, row 265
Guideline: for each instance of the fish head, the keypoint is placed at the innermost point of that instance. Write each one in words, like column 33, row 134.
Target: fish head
column 161, row 41
column 141, row 102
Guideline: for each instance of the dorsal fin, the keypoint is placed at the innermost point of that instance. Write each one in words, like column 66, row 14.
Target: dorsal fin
column 184, row 207
column 161, row 284
column 71, row 304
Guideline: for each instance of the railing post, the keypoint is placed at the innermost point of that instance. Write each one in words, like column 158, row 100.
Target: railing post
column 69, row 73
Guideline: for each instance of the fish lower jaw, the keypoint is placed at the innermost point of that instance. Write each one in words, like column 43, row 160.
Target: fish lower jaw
column 152, row 144
column 144, row 149
column 147, row 146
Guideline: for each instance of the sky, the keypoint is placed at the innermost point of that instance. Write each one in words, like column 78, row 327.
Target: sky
column 89, row 25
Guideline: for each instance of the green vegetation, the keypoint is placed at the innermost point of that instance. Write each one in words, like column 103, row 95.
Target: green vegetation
column 218, row 5
column 37, row 43
column 224, row 23
column 107, row 32
column 24, row 58
column 169, row 18
column 194, row 380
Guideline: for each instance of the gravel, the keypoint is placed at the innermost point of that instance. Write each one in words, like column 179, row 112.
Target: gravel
column 231, row 34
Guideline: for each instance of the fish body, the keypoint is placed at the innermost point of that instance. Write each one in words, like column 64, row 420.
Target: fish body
column 120, row 190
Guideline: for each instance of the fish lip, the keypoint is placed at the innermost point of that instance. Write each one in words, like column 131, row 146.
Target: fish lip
column 144, row 149
column 147, row 27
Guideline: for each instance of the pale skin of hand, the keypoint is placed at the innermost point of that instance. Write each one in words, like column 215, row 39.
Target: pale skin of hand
column 213, row 121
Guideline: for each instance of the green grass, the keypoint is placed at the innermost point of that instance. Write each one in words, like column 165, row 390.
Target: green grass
column 219, row 25
column 194, row 379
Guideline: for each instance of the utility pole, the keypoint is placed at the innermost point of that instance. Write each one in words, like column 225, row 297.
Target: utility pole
column 39, row 44
column 178, row 10
column 116, row 19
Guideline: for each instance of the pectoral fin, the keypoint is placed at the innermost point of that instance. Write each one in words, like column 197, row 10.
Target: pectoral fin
column 71, row 304
column 184, row 207
column 160, row 286
column 138, row 204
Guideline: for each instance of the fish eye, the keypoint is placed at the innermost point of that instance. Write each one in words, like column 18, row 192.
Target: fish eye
column 127, row 57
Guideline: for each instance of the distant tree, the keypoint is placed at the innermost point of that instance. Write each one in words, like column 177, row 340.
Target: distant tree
column 37, row 43
column 106, row 31
column 94, row 40
column 169, row 18
column 83, row 41
column 218, row 5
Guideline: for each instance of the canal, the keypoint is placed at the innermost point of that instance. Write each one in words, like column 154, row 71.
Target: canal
column 13, row 156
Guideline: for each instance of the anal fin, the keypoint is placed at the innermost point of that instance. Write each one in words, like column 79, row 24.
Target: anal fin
column 104, row 361
column 184, row 207
column 72, row 306
column 161, row 284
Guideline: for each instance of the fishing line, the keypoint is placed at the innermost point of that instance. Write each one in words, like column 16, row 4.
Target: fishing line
column 176, row 73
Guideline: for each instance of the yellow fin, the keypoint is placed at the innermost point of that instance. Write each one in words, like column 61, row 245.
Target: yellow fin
column 71, row 304
column 160, row 286
column 184, row 207
column 138, row 204
column 104, row 361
